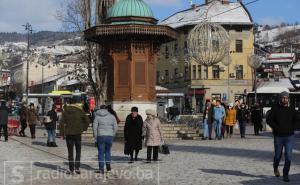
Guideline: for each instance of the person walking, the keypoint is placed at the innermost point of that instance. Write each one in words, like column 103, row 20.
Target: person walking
column 104, row 128
column 4, row 119
column 133, row 131
column 282, row 119
column 23, row 114
column 113, row 112
column 242, row 117
column 218, row 116
column 256, row 118
column 230, row 120
column 207, row 121
column 153, row 134
column 32, row 119
column 73, row 122
column 51, row 127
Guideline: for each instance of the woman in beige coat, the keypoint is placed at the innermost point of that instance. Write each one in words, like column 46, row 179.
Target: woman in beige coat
column 152, row 133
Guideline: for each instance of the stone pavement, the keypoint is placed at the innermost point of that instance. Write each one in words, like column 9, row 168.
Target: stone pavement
column 229, row 161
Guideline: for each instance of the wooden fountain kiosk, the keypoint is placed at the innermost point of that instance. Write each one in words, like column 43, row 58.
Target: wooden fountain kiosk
column 130, row 39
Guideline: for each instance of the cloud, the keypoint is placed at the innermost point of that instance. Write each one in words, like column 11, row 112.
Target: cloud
column 271, row 20
column 39, row 13
column 164, row 2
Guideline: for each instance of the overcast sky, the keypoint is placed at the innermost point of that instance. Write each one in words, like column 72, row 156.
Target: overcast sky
column 41, row 13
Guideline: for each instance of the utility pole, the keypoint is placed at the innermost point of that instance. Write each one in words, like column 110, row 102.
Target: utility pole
column 28, row 28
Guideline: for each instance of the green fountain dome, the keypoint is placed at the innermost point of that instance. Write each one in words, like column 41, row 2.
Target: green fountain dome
column 130, row 11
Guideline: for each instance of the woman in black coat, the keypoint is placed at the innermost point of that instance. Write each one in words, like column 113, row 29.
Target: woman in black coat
column 256, row 118
column 133, row 131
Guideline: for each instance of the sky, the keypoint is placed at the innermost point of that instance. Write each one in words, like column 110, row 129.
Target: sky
column 41, row 14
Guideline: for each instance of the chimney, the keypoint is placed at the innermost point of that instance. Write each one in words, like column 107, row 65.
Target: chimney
column 225, row 1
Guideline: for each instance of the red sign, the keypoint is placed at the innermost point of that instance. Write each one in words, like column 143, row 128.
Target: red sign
column 191, row 92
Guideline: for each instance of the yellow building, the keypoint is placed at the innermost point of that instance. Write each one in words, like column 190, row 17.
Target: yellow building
column 200, row 83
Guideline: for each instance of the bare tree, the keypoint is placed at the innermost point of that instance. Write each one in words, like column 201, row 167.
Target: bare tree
column 78, row 15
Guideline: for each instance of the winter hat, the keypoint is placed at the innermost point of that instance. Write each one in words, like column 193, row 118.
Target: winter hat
column 231, row 104
column 284, row 93
column 150, row 112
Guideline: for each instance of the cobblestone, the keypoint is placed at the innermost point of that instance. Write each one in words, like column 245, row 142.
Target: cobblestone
column 229, row 161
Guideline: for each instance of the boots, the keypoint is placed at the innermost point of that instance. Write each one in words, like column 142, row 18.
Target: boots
column 108, row 168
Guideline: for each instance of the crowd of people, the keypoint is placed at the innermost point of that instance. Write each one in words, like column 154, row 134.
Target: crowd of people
column 223, row 118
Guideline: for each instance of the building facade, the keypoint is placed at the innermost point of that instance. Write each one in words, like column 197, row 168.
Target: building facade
column 177, row 72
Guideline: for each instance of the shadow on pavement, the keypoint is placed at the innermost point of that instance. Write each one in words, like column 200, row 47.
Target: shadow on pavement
column 50, row 166
column 271, row 180
column 231, row 172
column 39, row 143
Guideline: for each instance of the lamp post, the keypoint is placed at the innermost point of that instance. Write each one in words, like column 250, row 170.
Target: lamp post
column 28, row 28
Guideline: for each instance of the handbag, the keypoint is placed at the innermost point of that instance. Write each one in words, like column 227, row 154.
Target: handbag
column 164, row 149
column 236, row 126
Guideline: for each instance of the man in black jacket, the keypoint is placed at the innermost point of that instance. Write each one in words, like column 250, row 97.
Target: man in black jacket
column 282, row 119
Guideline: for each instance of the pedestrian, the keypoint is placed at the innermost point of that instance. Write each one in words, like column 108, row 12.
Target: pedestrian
column 105, row 128
column 73, row 122
column 23, row 114
column 218, row 116
column 133, row 131
column 153, row 134
column 4, row 119
column 230, row 120
column 282, row 120
column 256, row 118
column 207, row 121
column 113, row 112
column 32, row 119
column 51, row 126
column 242, row 117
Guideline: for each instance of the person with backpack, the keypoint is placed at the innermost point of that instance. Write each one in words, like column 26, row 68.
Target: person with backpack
column 282, row 119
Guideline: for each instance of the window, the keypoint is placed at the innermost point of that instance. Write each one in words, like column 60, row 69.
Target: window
column 239, row 46
column 205, row 72
column 216, row 72
column 167, row 52
column 186, row 73
column 157, row 77
column 239, row 72
column 199, row 72
column 185, row 47
column 167, row 76
column 216, row 96
column 176, row 75
column 194, row 72
column 176, row 49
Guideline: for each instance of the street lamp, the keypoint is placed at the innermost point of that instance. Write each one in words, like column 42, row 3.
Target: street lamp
column 28, row 28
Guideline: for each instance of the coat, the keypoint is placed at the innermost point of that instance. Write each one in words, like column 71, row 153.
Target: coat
column 74, row 121
column 256, row 115
column 208, row 114
column 3, row 115
column 23, row 114
column 230, row 118
column 133, row 131
column 152, row 132
column 32, row 118
column 53, row 116
column 105, row 124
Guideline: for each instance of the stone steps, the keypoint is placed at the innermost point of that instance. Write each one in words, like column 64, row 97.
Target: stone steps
column 170, row 131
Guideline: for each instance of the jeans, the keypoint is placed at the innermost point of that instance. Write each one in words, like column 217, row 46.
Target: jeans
column 51, row 135
column 218, row 126
column 205, row 129
column 4, row 131
column 32, row 130
column 104, row 150
column 74, row 140
column 155, row 153
column 242, row 126
column 287, row 143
